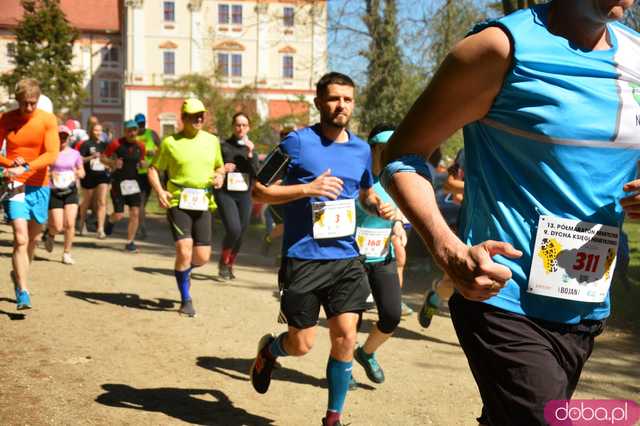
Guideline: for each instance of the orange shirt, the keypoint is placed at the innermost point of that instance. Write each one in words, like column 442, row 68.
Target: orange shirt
column 33, row 138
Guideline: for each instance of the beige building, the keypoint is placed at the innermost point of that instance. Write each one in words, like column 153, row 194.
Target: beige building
column 98, row 52
column 277, row 46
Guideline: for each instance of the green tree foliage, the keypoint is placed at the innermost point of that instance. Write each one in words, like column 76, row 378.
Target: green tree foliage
column 509, row 6
column 388, row 93
column 222, row 106
column 44, row 51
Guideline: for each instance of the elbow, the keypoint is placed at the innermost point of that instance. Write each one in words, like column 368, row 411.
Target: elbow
column 257, row 195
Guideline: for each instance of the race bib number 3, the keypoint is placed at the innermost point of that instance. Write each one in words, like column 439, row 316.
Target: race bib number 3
column 237, row 181
column 573, row 260
column 333, row 219
column 129, row 187
column 194, row 199
column 373, row 242
column 62, row 180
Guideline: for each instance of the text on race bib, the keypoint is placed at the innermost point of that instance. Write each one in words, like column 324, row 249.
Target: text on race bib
column 373, row 242
column 237, row 181
column 194, row 199
column 573, row 260
column 62, row 180
column 333, row 219
column 129, row 187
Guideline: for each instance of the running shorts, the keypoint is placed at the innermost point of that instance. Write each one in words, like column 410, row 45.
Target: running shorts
column 339, row 286
column 119, row 200
column 190, row 224
column 59, row 199
column 512, row 356
column 92, row 181
column 32, row 204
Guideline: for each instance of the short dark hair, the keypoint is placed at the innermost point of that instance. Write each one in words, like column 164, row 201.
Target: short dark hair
column 382, row 127
column 240, row 114
column 332, row 78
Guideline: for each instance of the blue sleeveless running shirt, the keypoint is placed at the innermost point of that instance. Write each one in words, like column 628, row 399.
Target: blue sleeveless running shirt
column 561, row 139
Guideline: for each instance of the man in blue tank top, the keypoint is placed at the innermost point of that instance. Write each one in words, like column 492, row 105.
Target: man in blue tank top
column 329, row 169
column 547, row 96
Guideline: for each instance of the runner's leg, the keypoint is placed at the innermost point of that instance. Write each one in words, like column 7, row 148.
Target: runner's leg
column 70, row 212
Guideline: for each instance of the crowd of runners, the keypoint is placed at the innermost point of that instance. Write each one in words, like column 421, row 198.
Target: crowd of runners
column 526, row 224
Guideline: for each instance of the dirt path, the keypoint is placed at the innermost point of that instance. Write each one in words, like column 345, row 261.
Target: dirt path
column 104, row 345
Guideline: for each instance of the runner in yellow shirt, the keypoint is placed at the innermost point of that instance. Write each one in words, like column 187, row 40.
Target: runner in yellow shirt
column 193, row 161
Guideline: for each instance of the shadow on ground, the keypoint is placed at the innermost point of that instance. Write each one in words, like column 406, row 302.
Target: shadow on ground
column 129, row 300
column 197, row 406
column 238, row 369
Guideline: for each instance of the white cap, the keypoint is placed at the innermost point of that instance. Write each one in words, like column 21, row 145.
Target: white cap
column 45, row 104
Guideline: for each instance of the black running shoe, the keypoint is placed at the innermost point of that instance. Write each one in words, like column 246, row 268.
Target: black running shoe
column 427, row 311
column 108, row 227
column 224, row 272
column 186, row 308
column 262, row 366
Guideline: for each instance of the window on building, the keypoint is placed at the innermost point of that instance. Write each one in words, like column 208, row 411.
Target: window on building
column 223, row 64
column 168, row 129
column 109, row 91
column 288, row 17
column 11, row 52
column 169, row 62
column 110, row 56
column 223, row 14
column 287, row 66
column 169, row 11
column 236, row 65
column 236, row 14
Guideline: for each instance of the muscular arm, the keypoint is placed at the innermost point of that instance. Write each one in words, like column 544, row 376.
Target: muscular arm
column 462, row 91
column 51, row 146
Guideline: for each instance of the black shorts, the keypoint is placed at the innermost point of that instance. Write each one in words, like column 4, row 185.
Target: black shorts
column 119, row 200
column 59, row 198
column 339, row 286
column 92, row 181
column 143, row 182
column 277, row 213
column 190, row 224
column 520, row 363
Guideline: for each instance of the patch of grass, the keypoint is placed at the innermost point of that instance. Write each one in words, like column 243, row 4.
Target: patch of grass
column 625, row 299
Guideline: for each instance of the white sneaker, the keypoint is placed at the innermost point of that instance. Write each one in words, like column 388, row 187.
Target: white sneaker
column 67, row 259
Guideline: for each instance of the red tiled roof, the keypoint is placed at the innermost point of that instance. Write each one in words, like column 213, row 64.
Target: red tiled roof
column 85, row 15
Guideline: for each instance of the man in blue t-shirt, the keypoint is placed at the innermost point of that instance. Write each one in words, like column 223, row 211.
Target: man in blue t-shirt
column 329, row 169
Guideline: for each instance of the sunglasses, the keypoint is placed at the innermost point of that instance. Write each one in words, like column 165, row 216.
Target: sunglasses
column 196, row 117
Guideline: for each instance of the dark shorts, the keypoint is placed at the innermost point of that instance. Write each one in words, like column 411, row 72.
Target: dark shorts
column 92, row 181
column 119, row 200
column 520, row 363
column 59, row 198
column 145, row 186
column 190, row 224
column 339, row 286
column 277, row 213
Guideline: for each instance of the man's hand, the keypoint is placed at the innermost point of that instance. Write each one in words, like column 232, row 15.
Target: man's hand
column 229, row 167
column 164, row 197
column 631, row 203
column 218, row 181
column 324, row 185
column 19, row 161
column 14, row 171
column 250, row 145
column 386, row 210
column 472, row 269
column 398, row 234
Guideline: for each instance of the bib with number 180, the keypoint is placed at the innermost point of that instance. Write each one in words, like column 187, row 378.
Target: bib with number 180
column 373, row 242
column 573, row 260
column 333, row 219
column 194, row 199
